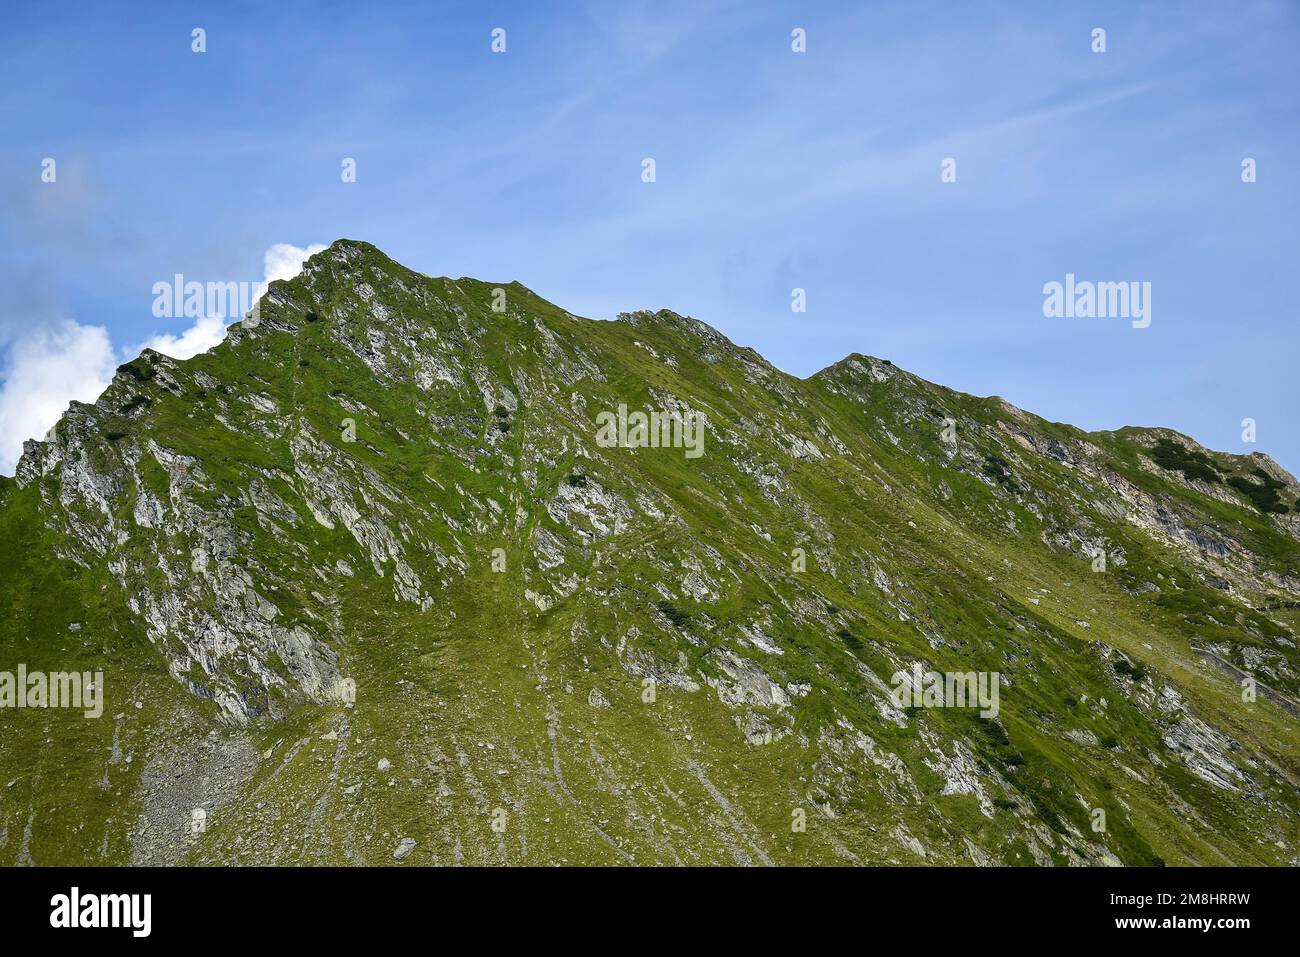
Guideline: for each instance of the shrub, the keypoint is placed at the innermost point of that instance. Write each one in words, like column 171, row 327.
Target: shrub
column 996, row 468
column 1262, row 495
column 994, row 730
column 1136, row 672
column 1194, row 465
column 1051, row 818
column 135, row 372
column 673, row 613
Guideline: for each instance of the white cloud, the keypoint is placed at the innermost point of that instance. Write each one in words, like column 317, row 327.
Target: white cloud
column 48, row 368
column 282, row 261
column 207, row 331
column 51, row 366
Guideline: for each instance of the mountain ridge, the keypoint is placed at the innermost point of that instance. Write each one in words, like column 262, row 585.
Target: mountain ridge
column 362, row 573
column 691, row 322
column 715, row 334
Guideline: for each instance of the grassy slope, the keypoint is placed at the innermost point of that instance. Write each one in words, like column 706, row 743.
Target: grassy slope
column 485, row 682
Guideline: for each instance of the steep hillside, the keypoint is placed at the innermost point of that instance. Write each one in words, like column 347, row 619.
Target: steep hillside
column 365, row 587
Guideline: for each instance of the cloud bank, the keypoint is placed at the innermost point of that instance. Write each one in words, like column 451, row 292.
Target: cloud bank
column 51, row 365
column 284, row 261
column 46, row 369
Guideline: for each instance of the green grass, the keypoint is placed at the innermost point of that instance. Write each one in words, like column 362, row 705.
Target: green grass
column 915, row 551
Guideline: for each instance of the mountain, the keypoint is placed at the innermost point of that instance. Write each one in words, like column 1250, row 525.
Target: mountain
column 366, row 584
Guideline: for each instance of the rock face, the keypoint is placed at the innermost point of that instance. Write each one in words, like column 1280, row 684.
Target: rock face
column 366, row 577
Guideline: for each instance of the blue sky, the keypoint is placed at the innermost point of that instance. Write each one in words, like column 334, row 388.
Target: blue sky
column 775, row 170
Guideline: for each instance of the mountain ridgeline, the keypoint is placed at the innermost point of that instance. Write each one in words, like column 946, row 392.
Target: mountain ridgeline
column 366, row 584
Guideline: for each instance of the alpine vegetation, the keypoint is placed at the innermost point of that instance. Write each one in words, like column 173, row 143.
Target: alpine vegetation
column 391, row 576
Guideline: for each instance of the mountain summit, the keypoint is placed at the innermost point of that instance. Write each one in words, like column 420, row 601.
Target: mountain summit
column 425, row 571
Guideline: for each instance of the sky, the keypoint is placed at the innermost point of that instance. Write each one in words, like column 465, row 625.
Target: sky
column 774, row 170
